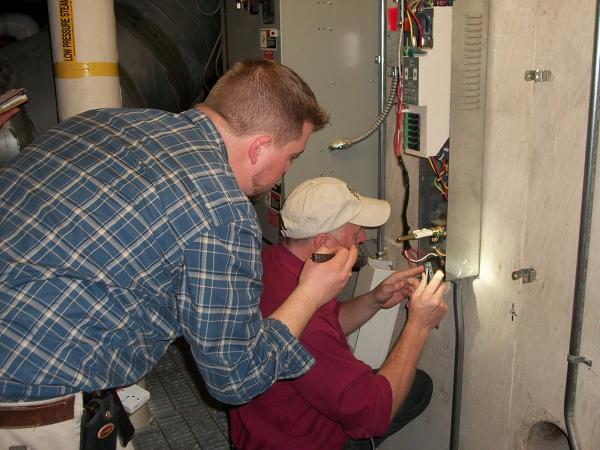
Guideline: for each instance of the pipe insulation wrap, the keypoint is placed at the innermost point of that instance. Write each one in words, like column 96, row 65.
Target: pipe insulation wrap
column 84, row 51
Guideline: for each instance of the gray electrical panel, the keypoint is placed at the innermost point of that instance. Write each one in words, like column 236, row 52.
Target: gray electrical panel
column 334, row 46
column 467, row 119
column 443, row 123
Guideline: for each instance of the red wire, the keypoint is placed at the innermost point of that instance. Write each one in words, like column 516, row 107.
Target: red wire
column 418, row 25
column 438, row 176
column 435, row 167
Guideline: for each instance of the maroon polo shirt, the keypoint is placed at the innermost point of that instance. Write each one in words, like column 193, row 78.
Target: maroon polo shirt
column 338, row 399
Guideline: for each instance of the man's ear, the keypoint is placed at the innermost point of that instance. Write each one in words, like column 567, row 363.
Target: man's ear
column 320, row 240
column 257, row 146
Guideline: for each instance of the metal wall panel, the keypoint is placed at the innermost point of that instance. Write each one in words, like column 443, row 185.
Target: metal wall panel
column 467, row 106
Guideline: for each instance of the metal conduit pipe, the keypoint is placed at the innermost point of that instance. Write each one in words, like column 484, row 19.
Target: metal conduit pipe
column 587, row 202
column 459, row 351
column 381, row 137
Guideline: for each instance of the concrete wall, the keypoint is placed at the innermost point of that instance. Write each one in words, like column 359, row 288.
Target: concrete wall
column 517, row 335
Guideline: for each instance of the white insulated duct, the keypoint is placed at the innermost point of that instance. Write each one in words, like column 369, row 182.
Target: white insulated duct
column 84, row 52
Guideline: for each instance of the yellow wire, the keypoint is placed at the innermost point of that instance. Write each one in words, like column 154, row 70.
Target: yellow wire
column 412, row 37
column 436, row 181
column 438, row 251
column 432, row 167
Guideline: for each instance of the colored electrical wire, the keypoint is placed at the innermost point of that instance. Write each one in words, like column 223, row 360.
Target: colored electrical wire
column 412, row 34
column 436, row 184
column 418, row 24
column 439, row 252
column 438, row 181
column 424, row 258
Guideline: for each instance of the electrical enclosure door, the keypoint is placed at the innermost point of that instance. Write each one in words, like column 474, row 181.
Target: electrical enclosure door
column 333, row 45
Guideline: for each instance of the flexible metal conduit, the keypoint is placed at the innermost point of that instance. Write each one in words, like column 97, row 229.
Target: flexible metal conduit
column 385, row 106
column 459, row 351
column 585, row 224
column 341, row 144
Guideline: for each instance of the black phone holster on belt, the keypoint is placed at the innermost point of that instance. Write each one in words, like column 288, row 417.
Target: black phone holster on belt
column 103, row 419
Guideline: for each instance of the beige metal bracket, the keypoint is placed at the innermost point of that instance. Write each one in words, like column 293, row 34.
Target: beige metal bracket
column 538, row 75
column 528, row 275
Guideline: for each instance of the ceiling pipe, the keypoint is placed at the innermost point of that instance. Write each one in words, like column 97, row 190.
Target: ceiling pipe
column 84, row 52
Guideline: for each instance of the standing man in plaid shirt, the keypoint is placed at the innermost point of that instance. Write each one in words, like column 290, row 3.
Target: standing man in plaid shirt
column 123, row 229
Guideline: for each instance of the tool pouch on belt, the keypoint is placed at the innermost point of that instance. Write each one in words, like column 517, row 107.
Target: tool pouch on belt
column 103, row 418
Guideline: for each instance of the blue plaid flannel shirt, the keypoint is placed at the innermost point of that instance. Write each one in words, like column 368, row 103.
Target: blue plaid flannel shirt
column 121, row 230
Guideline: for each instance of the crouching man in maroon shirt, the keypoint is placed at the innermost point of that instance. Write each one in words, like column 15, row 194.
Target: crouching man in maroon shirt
column 340, row 402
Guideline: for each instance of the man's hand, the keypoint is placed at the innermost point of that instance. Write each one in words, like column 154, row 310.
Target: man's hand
column 396, row 287
column 427, row 305
column 320, row 282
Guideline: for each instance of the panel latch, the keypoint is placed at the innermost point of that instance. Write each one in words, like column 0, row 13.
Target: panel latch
column 538, row 75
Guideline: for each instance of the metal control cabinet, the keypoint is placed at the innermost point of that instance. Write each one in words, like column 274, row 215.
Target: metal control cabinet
column 334, row 46
column 450, row 103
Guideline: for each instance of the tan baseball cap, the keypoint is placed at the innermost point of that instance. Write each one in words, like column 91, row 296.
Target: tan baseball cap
column 323, row 204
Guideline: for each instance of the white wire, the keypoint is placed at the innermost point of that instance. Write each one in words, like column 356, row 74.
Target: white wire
column 423, row 258
column 204, row 13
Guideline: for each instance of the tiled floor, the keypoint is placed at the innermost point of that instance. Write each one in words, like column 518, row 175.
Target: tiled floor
column 183, row 416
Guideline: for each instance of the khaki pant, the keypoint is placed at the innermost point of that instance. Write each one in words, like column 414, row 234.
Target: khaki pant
column 57, row 436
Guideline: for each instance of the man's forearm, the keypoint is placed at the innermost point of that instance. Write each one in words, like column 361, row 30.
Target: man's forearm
column 400, row 366
column 354, row 313
column 295, row 312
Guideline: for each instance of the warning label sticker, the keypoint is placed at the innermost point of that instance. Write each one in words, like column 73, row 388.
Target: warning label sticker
column 268, row 38
column 65, row 10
